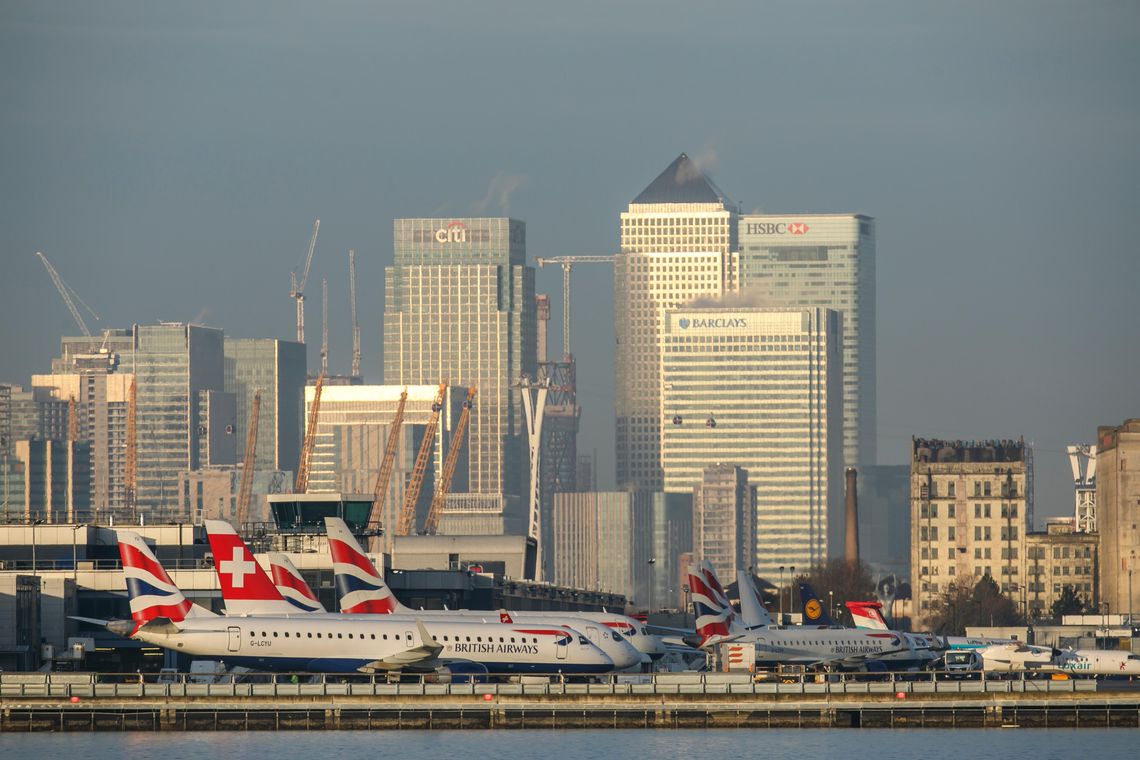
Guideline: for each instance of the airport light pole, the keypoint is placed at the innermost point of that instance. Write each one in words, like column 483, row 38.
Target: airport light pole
column 652, row 561
column 781, row 594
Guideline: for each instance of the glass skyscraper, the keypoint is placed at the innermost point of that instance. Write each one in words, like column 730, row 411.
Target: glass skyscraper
column 828, row 261
column 277, row 369
column 460, row 308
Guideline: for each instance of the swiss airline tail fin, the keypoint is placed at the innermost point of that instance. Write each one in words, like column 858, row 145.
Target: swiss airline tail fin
column 291, row 585
column 152, row 593
column 813, row 608
column 246, row 588
column 358, row 584
column 753, row 613
column 868, row 615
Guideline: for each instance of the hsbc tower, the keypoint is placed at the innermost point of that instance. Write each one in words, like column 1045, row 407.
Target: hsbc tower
column 828, row 261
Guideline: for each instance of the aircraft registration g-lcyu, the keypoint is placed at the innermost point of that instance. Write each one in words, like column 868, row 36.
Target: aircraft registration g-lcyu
column 267, row 623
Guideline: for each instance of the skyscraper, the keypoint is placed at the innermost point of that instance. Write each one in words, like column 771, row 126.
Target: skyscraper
column 460, row 308
column 828, row 261
column 760, row 389
column 677, row 239
column 276, row 368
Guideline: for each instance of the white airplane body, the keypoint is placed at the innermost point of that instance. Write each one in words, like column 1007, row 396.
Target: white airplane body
column 1017, row 657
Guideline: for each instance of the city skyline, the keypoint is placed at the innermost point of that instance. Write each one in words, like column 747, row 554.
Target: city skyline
column 162, row 190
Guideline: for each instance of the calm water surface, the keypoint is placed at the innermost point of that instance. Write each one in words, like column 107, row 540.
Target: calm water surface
column 729, row 744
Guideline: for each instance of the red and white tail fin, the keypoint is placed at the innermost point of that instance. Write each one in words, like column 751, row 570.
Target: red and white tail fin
column 246, row 588
column 710, row 604
column 152, row 593
column 361, row 588
column 868, row 615
column 291, row 585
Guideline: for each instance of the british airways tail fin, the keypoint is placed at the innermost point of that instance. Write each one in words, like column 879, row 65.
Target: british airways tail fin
column 710, row 605
column 291, row 585
column 868, row 615
column 152, row 593
column 246, row 588
column 753, row 613
column 359, row 585
column 813, row 608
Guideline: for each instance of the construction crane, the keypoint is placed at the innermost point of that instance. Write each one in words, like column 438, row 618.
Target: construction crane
column 131, row 466
column 431, row 524
column 297, row 291
column 69, row 296
column 324, row 325
column 352, row 306
column 416, row 481
column 567, row 263
column 246, row 492
column 380, row 495
column 302, row 483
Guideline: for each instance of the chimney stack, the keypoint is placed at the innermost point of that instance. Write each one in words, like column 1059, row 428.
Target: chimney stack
column 851, row 547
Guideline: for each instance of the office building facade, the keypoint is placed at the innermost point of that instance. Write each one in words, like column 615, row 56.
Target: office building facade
column 1055, row 559
column 764, row 387
column 723, row 512
column 825, row 261
column 57, row 480
column 969, row 516
column 677, row 242
column 460, row 308
column 276, row 369
column 602, row 542
column 1117, row 513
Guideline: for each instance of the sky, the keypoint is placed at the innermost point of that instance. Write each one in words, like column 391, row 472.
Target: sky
column 170, row 159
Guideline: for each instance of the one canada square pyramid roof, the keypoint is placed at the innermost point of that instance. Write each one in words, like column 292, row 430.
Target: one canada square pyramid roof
column 681, row 182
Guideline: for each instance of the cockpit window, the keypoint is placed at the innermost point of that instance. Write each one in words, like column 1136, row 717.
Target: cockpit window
column 583, row 640
column 616, row 635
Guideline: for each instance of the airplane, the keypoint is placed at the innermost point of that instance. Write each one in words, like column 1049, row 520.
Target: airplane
column 289, row 583
column 776, row 645
column 496, row 647
column 161, row 615
column 362, row 590
column 1016, row 656
column 753, row 613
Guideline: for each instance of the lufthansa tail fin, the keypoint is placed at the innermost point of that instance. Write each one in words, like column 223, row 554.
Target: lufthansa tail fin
column 359, row 585
column 813, row 608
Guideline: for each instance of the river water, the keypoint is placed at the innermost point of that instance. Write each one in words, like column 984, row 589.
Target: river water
column 633, row 744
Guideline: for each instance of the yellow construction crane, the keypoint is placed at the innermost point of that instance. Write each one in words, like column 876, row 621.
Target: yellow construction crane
column 131, row 466
column 380, row 495
column 242, row 512
column 431, row 524
column 302, row 483
column 416, row 481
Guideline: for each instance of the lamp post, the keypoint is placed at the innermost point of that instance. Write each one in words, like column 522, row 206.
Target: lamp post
column 831, row 604
column 34, row 524
column 791, row 577
column 781, row 592
column 651, row 563
column 74, row 558
column 1131, row 562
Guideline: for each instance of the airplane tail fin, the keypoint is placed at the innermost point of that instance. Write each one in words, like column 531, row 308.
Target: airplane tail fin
column 868, row 615
column 246, row 588
column 152, row 593
column 291, row 585
column 753, row 613
column 359, row 585
column 813, row 609
column 710, row 605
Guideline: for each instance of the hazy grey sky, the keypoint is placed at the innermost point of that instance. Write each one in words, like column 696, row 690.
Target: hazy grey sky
column 170, row 160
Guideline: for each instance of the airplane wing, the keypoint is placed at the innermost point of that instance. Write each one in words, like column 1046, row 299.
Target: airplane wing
column 428, row 650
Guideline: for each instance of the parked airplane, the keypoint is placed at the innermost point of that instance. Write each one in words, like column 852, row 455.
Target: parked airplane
column 499, row 648
column 1017, row 656
column 869, row 616
column 775, row 645
column 362, row 589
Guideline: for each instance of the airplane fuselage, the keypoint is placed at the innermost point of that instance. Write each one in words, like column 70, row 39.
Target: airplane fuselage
column 839, row 646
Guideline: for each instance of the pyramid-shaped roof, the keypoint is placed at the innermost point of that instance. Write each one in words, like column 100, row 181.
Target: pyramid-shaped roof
column 681, row 182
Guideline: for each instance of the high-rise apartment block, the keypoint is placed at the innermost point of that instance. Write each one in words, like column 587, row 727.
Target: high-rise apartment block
column 969, row 516
column 460, row 308
column 760, row 389
column 57, row 480
column 677, row 239
column 824, row 261
column 722, row 520
column 1118, row 514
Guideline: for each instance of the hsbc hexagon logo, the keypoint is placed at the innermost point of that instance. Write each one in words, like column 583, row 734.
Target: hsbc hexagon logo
column 797, row 228
column 776, row 228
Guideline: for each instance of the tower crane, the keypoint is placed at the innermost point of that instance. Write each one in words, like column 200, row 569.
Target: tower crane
column 431, row 524
column 416, row 481
column 302, row 483
column 567, row 263
column 297, row 291
column 352, row 306
column 242, row 512
column 324, row 325
column 380, row 495
column 69, row 296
